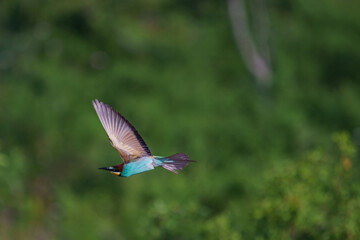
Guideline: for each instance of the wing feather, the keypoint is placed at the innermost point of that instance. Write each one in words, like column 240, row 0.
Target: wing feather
column 123, row 136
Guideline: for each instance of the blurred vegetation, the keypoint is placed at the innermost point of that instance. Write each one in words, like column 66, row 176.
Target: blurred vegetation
column 279, row 163
column 317, row 197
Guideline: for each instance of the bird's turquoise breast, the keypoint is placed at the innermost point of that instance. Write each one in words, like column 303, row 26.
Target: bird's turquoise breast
column 138, row 166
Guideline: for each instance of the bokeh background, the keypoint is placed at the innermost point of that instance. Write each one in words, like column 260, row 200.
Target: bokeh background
column 264, row 95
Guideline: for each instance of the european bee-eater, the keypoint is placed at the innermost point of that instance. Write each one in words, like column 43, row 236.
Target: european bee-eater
column 136, row 156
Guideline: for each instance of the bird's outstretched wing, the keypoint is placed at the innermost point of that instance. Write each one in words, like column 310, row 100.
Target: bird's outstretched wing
column 122, row 135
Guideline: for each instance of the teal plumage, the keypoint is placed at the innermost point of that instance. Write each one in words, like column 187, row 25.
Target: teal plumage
column 135, row 154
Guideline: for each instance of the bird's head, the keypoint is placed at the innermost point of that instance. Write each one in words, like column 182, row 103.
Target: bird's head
column 115, row 170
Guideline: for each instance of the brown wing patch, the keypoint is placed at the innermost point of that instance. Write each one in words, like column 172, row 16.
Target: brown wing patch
column 122, row 135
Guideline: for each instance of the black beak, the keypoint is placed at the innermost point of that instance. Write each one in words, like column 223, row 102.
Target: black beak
column 104, row 168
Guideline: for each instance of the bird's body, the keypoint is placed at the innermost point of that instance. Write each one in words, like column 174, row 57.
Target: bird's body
column 140, row 165
column 131, row 147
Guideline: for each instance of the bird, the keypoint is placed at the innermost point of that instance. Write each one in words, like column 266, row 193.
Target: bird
column 132, row 149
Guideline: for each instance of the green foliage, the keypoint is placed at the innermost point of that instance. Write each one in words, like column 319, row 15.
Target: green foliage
column 170, row 220
column 172, row 68
column 315, row 198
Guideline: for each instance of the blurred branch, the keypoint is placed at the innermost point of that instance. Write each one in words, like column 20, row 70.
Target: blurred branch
column 257, row 64
column 261, row 27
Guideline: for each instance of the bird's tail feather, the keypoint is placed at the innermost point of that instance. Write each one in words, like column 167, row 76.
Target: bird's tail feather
column 175, row 162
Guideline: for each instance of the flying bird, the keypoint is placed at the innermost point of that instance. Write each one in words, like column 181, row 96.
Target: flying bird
column 136, row 156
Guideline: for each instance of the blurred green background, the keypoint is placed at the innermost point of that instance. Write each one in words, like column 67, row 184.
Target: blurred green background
column 275, row 159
